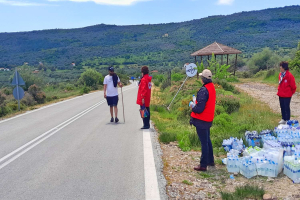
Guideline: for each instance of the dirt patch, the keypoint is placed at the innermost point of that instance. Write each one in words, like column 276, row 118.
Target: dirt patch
column 268, row 94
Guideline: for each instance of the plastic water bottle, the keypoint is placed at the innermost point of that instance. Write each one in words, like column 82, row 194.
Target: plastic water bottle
column 194, row 99
column 192, row 104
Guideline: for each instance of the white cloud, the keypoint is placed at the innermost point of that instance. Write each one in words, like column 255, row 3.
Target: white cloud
column 225, row 2
column 107, row 2
column 21, row 3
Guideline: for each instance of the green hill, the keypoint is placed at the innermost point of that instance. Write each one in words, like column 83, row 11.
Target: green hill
column 146, row 44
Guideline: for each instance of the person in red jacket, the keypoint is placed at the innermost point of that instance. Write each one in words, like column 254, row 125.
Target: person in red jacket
column 202, row 117
column 286, row 88
column 144, row 94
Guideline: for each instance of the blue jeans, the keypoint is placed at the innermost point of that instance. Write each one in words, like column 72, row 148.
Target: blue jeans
column 207, row 156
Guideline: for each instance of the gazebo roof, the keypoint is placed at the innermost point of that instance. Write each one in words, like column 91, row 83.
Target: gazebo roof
column 216, row 49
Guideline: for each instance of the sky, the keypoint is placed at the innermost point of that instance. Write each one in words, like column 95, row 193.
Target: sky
column 28, row 15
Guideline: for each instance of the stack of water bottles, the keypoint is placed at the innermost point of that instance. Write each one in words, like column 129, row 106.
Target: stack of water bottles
column 292, row 165
column 253, row 138
column 232, row 161
column 233, row 143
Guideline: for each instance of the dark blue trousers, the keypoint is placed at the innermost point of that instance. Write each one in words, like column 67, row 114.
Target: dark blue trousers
column 207, row 156
column 146, row 120
column 285, row 107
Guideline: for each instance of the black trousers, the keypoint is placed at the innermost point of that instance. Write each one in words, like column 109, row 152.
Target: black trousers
column 146, row 120
column 207, row 156
column 285, row 107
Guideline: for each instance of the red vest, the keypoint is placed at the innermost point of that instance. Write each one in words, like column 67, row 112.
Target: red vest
column 209, row 110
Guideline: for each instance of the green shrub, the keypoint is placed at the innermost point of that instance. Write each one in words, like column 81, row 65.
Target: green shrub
column 225, row 85
column 166, row 83
column 194, row 140
column 4, row 111
column 232, row 79
column 270, row 73
column 156, row 83
column 176, row 77
column 158, row 108
column 261, row 73
column 40, row 97
column 229, row 103
column 7, row 91
column 244, row 192
column 14, row 106
column 167, row 137
column 85, row 90
column 222, row 120
column 28, row 100
column 69, row 87
column 91, row 78
column 219, row 110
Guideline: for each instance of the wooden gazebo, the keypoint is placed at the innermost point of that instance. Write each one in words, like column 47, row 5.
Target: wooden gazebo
column 217, row 49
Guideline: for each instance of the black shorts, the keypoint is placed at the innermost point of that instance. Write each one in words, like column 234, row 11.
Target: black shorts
column 112, row 101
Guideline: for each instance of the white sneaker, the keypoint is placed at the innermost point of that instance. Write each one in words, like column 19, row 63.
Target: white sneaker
column 282, row 122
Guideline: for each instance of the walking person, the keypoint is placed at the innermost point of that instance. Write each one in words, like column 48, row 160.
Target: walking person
column 111, row 82
column 144, row 95
column 202, row 117
column 286, row 88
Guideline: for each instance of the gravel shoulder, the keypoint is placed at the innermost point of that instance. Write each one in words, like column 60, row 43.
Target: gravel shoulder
column 268, row 94
column 185, row 183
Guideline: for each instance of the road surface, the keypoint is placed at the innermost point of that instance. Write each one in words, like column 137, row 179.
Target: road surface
column 70, row 150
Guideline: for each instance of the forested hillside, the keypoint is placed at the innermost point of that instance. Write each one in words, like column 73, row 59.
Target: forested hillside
column 155, row 45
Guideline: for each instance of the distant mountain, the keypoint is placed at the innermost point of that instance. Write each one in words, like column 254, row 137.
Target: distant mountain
column 161, row 43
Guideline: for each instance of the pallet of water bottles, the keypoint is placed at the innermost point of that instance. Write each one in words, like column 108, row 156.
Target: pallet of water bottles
column 280, row 150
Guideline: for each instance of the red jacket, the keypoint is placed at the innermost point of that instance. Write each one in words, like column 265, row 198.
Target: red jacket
column 144, row 90
column 209, row 110
column 287, row 87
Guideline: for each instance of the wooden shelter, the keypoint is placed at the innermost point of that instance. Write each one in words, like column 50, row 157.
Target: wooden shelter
column 217, row 49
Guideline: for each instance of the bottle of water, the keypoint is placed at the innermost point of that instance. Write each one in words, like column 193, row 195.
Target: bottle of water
column 192, row 104
column 194, row 99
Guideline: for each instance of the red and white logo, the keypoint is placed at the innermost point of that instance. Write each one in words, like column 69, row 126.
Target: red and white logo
column 149, row 85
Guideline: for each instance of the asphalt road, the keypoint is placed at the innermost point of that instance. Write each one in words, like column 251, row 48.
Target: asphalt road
column 70, row 150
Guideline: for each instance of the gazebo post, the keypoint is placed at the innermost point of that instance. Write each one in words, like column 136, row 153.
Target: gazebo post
column 201, row 59
column 208, row 60
column 227, row 59
column 222, row 59
column 235, row 64
column 215, row 65
column 195, row 59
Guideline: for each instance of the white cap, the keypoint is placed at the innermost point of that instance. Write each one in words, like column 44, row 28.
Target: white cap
column 206, row 74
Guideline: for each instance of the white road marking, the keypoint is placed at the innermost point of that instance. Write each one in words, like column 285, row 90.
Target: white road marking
column 54, row 104
column 151, row 184
column 46, row 135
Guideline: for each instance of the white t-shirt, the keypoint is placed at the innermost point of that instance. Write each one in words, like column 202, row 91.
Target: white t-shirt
column 111, row 91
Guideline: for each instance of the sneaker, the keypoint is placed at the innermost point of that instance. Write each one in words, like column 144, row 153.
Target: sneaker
column 116, row 120
column 282, row 121
column 112, row 119
column 199, row 168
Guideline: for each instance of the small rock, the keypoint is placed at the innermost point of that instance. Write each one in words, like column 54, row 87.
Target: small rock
column 270, row 179
column 267, row 197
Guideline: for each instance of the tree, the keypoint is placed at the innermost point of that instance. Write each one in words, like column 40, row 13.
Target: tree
column 263, row 60
column 295, row 63
column 91, row 78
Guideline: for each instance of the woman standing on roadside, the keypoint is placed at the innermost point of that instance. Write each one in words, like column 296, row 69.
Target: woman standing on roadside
column 287, row 87
column 144, row 95
column 202, row 117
